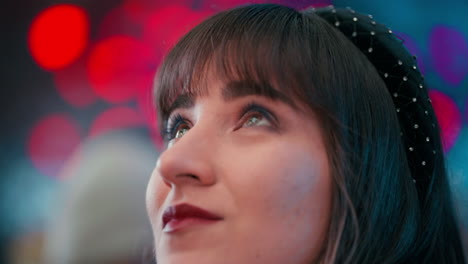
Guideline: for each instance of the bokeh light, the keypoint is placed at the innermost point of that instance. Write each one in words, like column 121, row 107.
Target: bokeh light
column 166, row 25
column 114, row 119
column 58, row 36
column 449, row 118
column 51, row 141
column 73, row 85
column 117, row 22
column 120, row 66
column 449, row 50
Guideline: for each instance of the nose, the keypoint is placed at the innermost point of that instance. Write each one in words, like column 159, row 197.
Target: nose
column 189, row 160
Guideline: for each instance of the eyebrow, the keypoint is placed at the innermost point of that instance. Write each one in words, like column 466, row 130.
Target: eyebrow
column 234, row 90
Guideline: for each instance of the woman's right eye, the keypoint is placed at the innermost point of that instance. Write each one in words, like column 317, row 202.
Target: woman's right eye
column 176, row 128
column 181, row 131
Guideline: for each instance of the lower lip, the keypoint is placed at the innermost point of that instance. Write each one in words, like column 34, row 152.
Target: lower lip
column 179, row 224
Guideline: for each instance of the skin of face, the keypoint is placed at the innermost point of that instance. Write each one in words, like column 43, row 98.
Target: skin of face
column 268, row 178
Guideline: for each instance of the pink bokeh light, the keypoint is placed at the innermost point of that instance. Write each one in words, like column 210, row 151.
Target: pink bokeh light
column 73, row 85
column 449, row 118
column 116, row 118
column 52, row 140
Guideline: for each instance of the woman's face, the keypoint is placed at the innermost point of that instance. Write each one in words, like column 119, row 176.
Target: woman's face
column 257, row 163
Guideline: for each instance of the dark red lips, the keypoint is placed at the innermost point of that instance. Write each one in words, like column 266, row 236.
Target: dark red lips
column 183, row 211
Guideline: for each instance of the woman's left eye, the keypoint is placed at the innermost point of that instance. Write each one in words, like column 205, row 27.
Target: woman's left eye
column 254, row 115
column 256, row 119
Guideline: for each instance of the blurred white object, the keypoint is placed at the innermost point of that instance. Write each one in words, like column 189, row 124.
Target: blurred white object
column 100, row 213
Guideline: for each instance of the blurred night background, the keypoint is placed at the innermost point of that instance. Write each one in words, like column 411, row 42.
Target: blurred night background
column 76, row 70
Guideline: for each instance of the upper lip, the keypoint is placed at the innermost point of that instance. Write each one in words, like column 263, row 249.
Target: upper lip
column 185, row 210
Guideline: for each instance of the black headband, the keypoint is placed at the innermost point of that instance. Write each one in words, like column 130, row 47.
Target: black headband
column 398, row 68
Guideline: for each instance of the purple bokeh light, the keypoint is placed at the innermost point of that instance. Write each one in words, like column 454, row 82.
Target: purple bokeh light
column 449, row 50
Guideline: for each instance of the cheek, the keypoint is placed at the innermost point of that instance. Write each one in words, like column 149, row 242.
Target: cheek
column 298, row 183
column 285, row 188
column 280, row 178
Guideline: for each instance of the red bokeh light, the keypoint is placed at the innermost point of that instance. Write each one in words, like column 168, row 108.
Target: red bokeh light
column 449, row 118
column 185, row 24
column 118, row 67
column 51, row 142
column 161, row 23
column 116, row 118
column 58, row 36
column 118, row 22
column 167, row 25
column 73, row 85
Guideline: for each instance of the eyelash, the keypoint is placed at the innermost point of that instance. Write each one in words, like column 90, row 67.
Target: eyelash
column 175, row 121
column 252, row 108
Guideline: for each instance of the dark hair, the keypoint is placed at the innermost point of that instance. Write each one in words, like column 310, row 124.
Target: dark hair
column 376, row 214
